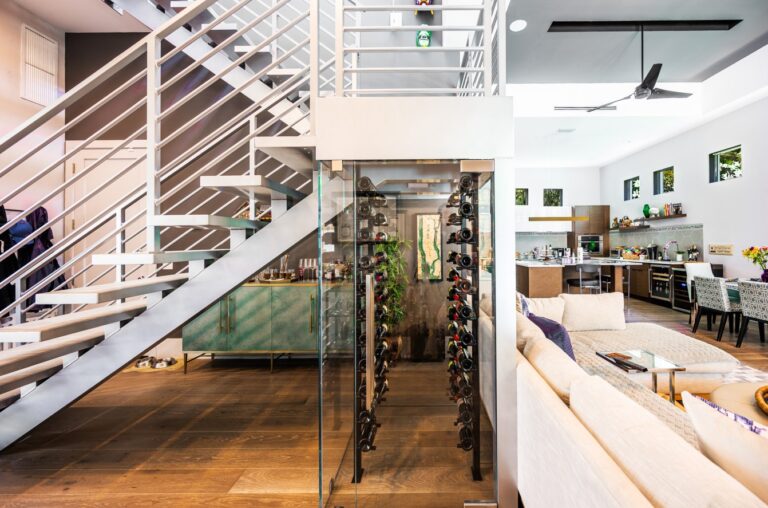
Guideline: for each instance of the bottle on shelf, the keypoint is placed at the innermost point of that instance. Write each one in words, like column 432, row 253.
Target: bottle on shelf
column 453, row 348
column 382, row 330
column 464, row 261
column 464, row 235
column 453, row 275
column 368, row 262
column 461, row 385
column 364, row 184
column 382, row 351
column 379, row 200
column 465, row 410
column 467, row 210
column 379, row 220
column 461, row 312
column 381, row 369
column 454, row 219
column 382, row 236
column 454, row 199
column 466, row 183
column 361, row 365
column 464, row 286
column 465, row 437
column 367, row 436
column 380, row 276
column 365, row 235
column 464, row 358
column 381, row 294
column 365, row 417
column 381, row 313
column 362, row 339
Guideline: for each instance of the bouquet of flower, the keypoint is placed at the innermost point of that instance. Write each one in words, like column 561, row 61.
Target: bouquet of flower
column 758, row 255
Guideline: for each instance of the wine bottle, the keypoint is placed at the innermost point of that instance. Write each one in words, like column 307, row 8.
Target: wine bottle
column 465, row 438
column 463, row 235
column 365, row 417
column 379, row 219
column 367, row 436
column 464, row 285
column 382, row 330
column 454, row 220
column 381, row 236
column 368, row 262
column 464, row 358
column 466, row 183
column 461, row 385
column 361, row 365
column 381, row 313
column 381, row 369
column 465, row 410
column 381, row 387
column 365, row 235
column 361, row 315
column 379, row 200
column 380, row 276
column 467, row 210
column 460, row 312
column 362, row 339
column 466, row 337
column 364, row 184
column 453, row 348
column 453, row 275
column 382, row 351
column 365, row 210
column 454, row 368
column 454, row 199
column 464, row 261
column 382, row 293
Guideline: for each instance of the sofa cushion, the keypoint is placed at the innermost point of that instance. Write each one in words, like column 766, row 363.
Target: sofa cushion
column 526, row 331
column 593, row 312
column 736, row 446
column 666, row 469
column 557, row 369
column 559, row 462
column 550, row 308
column 555, row 332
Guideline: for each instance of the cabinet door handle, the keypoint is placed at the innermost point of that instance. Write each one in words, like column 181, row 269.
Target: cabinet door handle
column 231, row 309
column 311, row 313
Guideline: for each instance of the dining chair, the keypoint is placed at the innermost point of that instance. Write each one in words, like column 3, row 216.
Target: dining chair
column 691, row 271
column 591, row 283
column 712, row 298
column 754, row 307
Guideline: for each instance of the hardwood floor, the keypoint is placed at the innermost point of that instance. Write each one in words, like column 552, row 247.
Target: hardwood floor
column 752, row 352
column 234, row 434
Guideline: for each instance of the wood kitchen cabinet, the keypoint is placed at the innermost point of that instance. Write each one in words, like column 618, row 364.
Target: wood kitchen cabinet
column 638, row 279
column 597, row 223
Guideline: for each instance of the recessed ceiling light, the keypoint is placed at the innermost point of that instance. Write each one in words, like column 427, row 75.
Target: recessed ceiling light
column 518, row 25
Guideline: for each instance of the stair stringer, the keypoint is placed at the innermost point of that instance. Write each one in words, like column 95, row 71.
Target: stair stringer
column 173, row 311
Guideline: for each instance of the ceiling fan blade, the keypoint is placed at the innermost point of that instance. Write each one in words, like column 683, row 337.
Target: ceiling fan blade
column 659, row 93
column 650, row 79
column 609, row 103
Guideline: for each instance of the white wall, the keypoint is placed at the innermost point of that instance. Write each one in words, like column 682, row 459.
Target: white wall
column 732, row 212
column 580, row 187
column 16, row 110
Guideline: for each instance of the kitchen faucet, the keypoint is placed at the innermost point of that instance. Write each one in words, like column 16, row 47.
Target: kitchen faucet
column 667, row 246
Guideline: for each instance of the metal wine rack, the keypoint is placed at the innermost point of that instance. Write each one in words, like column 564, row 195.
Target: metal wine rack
column 463, row 351
column 372, row 350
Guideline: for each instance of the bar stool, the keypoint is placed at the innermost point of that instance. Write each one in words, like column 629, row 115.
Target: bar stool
column 591, row 283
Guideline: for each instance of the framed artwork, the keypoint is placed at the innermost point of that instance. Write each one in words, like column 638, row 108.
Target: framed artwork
column 429, row 247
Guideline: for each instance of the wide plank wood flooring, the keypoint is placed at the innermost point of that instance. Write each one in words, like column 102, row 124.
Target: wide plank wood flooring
column 233, row 434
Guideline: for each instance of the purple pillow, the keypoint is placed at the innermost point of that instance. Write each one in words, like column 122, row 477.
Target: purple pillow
column 555, row 332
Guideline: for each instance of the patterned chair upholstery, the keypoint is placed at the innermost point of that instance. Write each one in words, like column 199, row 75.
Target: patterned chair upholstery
column 712, row 298
column 754, row 303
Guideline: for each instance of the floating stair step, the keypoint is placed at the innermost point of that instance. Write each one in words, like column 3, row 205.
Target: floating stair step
column 51, row 328
column 28, row 355
column 156, row 258
column 180, row 4
column 110, row 292
column 241, row 50
column 222, row 27
column 203, row 221
column 11, row 382
column 262, row 187
column 283, row 73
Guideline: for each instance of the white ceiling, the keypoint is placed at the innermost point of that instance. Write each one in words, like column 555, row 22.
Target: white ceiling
column 537, row 56
column 81, row 16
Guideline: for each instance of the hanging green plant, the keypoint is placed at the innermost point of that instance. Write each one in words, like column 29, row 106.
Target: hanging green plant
column 397, row 278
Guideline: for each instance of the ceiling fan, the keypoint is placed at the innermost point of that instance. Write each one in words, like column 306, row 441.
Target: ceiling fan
column 645, row 90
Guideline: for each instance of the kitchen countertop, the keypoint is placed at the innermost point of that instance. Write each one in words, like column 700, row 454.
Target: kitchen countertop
column 528, row 263
column 654, row 262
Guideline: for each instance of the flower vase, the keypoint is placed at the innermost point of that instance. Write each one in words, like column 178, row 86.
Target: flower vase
column 764, row 276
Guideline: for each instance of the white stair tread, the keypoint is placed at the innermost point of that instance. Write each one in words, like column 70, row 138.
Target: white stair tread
column 262, row 187
column 283, row 72
column 109, row 292
column 29, row 375
column 33, row 354
column 232, row 27
column 292, row 157
column 202, row 221
column 51, row 328
column 180, row 4
column 156, row 258
column 248, row 49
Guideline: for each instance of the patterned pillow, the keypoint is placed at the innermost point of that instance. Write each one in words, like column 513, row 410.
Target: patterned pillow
column 555, row 332
column 745, row 422
column 521, row 304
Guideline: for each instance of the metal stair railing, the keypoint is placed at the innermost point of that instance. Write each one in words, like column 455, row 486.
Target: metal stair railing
column 215, row 148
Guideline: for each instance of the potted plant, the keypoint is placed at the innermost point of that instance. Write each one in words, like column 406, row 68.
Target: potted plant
column 396, row 283
column 759, row 256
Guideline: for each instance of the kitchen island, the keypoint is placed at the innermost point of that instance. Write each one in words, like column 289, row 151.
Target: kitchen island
column 546, row 279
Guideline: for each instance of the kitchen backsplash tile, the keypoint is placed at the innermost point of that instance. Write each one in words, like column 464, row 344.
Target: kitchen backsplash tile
column 526, row 241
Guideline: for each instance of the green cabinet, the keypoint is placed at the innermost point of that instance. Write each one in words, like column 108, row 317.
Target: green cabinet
column 257, row 318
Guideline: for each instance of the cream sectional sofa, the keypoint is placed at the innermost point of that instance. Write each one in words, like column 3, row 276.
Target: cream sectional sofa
column 582, row 443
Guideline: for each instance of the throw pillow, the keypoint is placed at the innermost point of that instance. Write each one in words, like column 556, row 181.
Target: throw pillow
column 550, row 308
column 555, row 332
column 521, row 304
column 554, row 366
column 733, row 442
column 584, row 313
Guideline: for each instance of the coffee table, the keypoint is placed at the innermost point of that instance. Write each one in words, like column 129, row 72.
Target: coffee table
column 656, row 364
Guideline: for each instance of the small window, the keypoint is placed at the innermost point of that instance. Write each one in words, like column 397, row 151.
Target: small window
column 553, row 197
column 521, row 197
column 664, row 180
column 632, row 188
column 725, row 164
column 40, row 59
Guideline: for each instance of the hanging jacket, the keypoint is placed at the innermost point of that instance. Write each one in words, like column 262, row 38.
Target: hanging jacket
column 20, row 231
column 7, row 266
column 39, row 219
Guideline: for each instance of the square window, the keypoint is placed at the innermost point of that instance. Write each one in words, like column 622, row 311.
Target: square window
column 521, row 197
column 632, row 188
column 725, row 164
column 553, row 197
column 664, row 180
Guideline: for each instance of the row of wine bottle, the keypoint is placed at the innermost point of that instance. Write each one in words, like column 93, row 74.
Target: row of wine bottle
column 461, row 295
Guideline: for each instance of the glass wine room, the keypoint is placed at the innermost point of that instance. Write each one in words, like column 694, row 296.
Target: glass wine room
column 406, row 333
